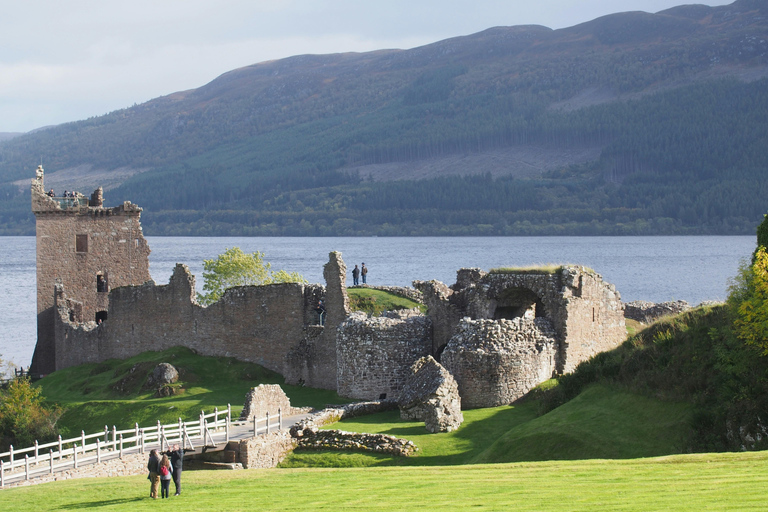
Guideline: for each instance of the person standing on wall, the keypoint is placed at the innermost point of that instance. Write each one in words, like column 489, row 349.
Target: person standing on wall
column 177, row 459
column 364, row 272
column 355, row 276
column 153, row 465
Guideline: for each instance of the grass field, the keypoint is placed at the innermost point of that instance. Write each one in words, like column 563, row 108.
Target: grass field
column 719, row 482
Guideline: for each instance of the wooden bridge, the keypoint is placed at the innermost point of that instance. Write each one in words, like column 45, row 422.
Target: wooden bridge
column 208, row 433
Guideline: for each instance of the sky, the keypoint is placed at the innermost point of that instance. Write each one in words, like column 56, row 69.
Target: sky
column 64, row 61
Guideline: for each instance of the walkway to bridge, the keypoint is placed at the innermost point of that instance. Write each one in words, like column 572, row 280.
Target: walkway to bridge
column 209, row 432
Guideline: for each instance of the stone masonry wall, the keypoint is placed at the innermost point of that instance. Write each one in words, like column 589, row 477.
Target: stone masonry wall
column 495, row 362
column 75, row 243
column 265, row 451
column 375, row 354
column 258, row 324
column 130, row 464
column 594, row 320
column 268, row 399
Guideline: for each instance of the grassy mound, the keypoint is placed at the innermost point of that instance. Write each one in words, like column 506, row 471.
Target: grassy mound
column 114, row 392
column 374, row 302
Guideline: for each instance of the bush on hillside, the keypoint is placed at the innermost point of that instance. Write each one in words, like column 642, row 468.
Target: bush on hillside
column 23, row 416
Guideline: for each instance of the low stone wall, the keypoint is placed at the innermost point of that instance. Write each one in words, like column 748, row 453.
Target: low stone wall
column 647, row 312
column 311, row 438
column 132, row 464
column 265, row 451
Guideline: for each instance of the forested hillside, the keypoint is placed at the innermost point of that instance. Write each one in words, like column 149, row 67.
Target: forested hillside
column 633, row 123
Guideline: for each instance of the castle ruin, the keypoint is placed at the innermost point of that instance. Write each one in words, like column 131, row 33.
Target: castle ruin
column 499, row 334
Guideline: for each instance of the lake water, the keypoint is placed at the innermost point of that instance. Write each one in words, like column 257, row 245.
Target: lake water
column 642, row 268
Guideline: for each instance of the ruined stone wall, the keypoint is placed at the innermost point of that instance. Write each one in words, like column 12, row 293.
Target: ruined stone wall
column 444, row 313
column 375, row 354
column 268, row 399
column 594, row 319
column 495, row 362
column 259, row 324
column 75, row 243
column 265, row 451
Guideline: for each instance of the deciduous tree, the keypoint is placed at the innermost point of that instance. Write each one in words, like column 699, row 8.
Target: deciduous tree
column 236, row 268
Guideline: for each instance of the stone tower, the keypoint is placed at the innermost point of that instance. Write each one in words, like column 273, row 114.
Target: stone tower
column 87, row 249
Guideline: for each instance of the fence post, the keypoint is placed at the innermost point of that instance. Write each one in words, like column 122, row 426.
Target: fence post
column 26, row 467
column 215, row 418
column 82, row 439
column 279, row 418
column 50, row 452
column 121, row 446
column 202, row 431
column 181, row 436
column 267, row 423
column 136, row 435
column 60, row 455
column 74, row 454
column 106, row 434
column 36, row 454
column 114, row 437
column 10, row 450
column 2, row 473
column 159, row 438
column 141, row 441
column 98, row 450
column 229, row 412
column 226, row 430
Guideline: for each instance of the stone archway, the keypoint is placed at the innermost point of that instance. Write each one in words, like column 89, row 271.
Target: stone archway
column 518, row 303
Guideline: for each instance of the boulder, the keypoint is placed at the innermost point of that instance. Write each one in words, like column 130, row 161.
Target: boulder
column 163, row 373
column 430, row 394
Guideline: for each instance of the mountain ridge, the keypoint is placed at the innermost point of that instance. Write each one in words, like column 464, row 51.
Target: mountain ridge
column 310, row 122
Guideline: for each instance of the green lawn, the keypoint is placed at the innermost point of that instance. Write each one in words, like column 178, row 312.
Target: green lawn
column 717, row 482
column 374, row 302
column 600, row 423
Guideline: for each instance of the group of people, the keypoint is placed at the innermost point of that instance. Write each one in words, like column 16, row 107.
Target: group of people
column 162, row 468
column 357, row 273
column 66, row 194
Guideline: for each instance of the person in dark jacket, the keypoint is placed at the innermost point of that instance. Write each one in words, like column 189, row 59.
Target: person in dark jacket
column 177, row 459
column 153, row 465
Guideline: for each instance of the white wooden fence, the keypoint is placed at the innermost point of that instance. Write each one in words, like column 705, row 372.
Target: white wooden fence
column 64, row 454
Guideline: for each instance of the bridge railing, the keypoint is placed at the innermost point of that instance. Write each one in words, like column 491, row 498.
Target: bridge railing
column 63, row 454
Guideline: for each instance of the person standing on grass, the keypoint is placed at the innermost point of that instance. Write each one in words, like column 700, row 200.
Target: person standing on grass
column 165, row 470
column 153, row 465
column 355, row 276
column 177, row 459
column 364, row 272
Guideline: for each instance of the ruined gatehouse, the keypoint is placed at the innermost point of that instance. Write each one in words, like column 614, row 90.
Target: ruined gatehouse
column 498, row 333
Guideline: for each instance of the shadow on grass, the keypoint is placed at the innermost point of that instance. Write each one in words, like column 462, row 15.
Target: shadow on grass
column 101, row 503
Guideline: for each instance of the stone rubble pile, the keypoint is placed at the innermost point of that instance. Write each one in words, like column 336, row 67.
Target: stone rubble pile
column 430, row 394
column 309, row 436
